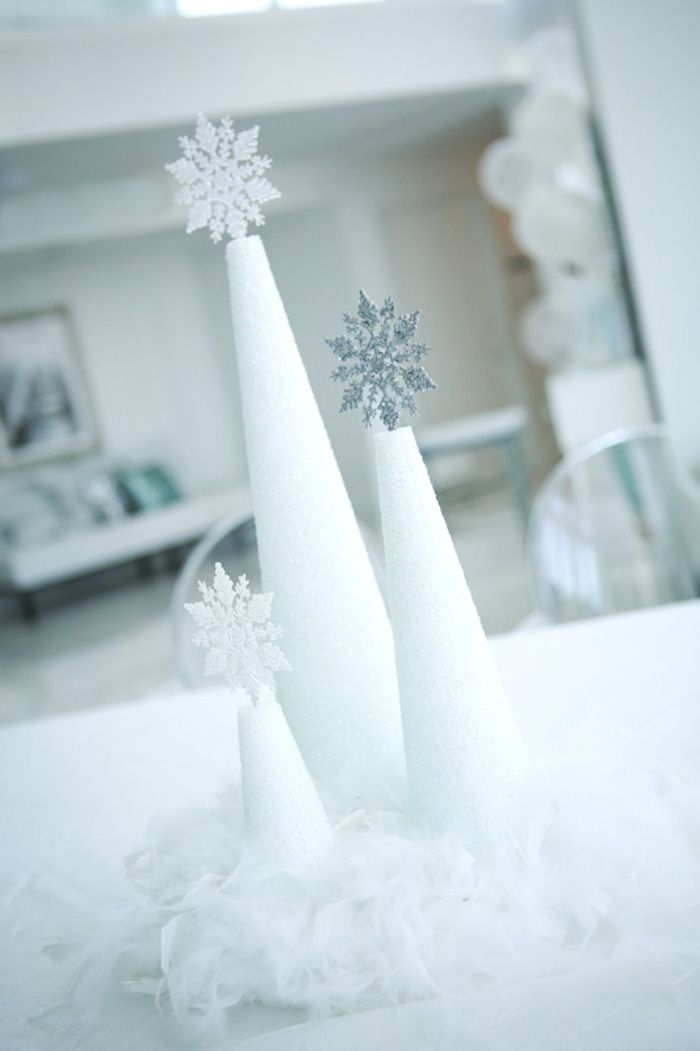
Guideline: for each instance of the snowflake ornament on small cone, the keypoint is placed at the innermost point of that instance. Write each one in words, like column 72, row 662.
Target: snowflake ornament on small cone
column 236, row 630
column 284, row 818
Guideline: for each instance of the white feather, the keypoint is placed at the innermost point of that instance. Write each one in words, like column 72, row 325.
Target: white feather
column 599, row 878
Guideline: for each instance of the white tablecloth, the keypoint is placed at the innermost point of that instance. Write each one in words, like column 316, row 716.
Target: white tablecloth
column 77, row 792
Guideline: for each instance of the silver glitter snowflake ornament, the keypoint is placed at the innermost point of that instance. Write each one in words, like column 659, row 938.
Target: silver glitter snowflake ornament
column 222, row 179
column 380, row 362
column 236, row 630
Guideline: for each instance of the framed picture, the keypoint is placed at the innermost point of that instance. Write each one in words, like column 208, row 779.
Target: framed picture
column 45, row 410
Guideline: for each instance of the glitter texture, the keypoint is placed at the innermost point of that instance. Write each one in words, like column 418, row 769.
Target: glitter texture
column 284, row 818
column 380, row 362
column 341, row 698
column 236, row 629
column 222, row 179
column 463, row 751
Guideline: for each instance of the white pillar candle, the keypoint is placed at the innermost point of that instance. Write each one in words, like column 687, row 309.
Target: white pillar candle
column 284, row 819
column 463, row 751
column 341, row 699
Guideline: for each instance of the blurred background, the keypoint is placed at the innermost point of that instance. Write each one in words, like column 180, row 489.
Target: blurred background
column 525, row 171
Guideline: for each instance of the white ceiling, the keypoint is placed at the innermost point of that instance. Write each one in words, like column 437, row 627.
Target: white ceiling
column 336, row 132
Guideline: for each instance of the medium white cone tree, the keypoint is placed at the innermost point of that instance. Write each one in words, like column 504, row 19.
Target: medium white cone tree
column 463, row 751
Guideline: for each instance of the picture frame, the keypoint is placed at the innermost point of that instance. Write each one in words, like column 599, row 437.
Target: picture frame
column 45, row 407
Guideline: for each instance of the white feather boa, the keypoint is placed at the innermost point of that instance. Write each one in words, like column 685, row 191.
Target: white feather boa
column 601, row 877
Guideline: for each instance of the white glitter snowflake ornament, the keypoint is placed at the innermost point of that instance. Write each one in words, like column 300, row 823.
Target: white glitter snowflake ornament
column 380, row 362
column 236, row 630
column 222, row 179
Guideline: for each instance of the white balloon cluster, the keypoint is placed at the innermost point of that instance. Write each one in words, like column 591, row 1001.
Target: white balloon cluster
column 545, row 174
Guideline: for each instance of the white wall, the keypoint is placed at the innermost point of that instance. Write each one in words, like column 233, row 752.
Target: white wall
column 425, row 234
column 152, row 319
column 466, row 333
column 147, row 322
column 152, row 311
column 414, row 225
column 312, row 268
column 644, row 62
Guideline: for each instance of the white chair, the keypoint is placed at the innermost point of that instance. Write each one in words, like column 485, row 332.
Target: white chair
column 607, row 529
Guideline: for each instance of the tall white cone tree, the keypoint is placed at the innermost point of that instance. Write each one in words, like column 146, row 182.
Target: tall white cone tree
column 284, row 818
column 463, row 751
column 341, row 699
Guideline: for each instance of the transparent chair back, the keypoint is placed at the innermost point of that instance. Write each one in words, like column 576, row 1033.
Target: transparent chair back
column 233, row 542
column 607, row 533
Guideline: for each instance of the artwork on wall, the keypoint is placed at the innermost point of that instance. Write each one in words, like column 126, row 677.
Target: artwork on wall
column 45, row 410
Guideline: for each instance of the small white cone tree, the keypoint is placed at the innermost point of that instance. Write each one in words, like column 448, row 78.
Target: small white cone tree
column 464, row 755
column 285, row 822
column 284, row 817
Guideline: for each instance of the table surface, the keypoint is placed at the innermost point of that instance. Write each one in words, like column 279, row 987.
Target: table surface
column 78, row 791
